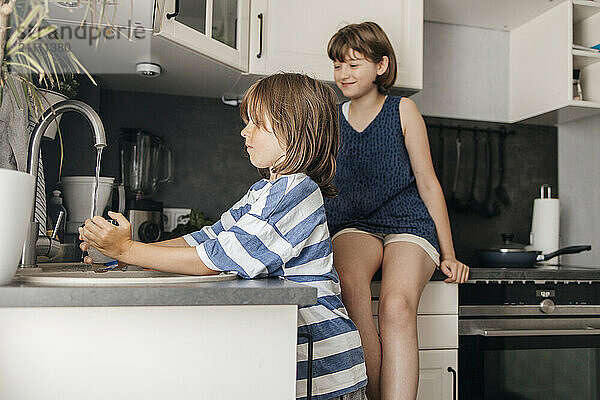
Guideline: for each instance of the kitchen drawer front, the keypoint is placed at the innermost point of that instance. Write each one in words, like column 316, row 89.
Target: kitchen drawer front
column 436, row 374
column 435, row 331
column 437, row 298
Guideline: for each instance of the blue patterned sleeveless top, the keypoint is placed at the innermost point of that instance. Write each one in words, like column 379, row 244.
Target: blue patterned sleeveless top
column 377, row 187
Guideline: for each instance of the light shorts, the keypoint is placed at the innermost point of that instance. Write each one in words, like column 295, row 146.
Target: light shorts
column 388, row 238
column 356, row 395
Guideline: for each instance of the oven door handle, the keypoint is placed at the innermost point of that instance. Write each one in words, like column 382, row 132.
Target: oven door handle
column 538, row 332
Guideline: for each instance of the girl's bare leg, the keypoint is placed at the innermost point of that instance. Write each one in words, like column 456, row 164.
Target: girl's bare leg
column 406, row 270
column 356, row 257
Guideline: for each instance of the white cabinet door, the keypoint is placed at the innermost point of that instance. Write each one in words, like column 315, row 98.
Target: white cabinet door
column 542, row 60
column 437, row 375
column 215, row 28
column 149, row 353
column 291, row 35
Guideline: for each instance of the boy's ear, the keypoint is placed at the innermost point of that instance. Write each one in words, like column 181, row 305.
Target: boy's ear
column 383, row 65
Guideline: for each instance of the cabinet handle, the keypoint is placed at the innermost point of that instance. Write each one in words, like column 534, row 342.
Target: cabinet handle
column 176, row 13
column 453, row 371
column 309, row 362
column 260, row 36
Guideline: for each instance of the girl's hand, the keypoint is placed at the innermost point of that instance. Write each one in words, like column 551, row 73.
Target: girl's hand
column 455, row 270
column 112, row 241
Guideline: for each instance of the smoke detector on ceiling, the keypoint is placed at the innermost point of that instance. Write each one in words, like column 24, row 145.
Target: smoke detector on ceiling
column 148, row 70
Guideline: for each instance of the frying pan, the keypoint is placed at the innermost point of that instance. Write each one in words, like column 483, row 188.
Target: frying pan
column 512, row 254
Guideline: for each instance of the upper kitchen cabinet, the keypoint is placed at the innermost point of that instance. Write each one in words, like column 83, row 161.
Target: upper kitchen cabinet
column 544, row 53
column 215, row 28
column 218, row 48
column 511, row 61
column 291, row 35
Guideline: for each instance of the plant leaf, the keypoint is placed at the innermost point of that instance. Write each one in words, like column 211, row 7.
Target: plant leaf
column 82, row 68
column 32, row 62
column 13, row 89
column 39, row 33
column 35, row 10
column 26, row 66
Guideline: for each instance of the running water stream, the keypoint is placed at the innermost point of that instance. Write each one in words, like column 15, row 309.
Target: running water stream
column 97, row 182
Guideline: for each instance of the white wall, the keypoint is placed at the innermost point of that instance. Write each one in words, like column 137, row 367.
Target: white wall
column 579, row 188
column 465, row 73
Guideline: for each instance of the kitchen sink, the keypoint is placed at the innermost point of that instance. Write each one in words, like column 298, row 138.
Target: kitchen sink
column 80, row 274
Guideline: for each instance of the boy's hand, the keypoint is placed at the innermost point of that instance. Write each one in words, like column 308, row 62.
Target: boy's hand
column 112, row 241
column 455, row 270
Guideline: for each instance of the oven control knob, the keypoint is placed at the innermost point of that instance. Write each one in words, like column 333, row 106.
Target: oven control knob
column 547, row 306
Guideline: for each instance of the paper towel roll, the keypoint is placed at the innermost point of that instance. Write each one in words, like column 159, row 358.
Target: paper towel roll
column 545, row 225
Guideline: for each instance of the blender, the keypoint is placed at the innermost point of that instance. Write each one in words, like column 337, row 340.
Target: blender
column 145, row 163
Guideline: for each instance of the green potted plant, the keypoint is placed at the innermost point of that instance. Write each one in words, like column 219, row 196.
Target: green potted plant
column 28, row 67
column 51, row 95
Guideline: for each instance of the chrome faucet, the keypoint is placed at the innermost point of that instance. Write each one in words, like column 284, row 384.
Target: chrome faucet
column 29, row 257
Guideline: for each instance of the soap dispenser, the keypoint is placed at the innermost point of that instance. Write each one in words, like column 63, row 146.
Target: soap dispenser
column 57, row 217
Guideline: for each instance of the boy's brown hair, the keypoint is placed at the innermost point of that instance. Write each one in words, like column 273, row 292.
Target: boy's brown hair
column 304, row 117
column 371, row 41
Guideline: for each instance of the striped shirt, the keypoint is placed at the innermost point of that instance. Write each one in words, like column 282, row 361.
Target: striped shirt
column 279, row 229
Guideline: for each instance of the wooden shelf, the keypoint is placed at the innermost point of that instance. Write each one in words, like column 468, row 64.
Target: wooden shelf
column 583, row 9
column 582, row 58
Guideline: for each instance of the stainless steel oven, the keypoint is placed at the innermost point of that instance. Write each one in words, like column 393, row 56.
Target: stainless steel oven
column 529, row 340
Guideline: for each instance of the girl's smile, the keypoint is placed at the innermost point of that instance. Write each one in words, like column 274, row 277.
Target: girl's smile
column 355, row 76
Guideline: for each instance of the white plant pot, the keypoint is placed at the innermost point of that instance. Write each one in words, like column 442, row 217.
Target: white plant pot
column 48, row 99
column 16, row 203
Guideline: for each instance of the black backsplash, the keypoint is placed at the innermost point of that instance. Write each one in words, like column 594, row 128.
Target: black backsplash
column 530, row 154
column 212, row 172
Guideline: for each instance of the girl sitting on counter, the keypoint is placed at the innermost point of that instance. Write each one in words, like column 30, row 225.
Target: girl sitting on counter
column 277, row 229
column 390, row 212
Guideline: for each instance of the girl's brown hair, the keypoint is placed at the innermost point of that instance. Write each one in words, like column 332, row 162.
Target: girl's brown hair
column 303, row 115
column 371, row 41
